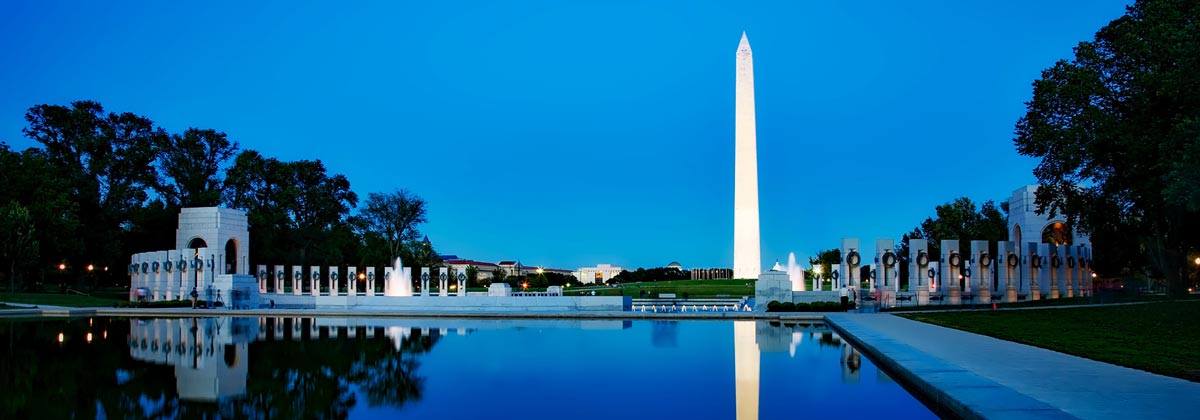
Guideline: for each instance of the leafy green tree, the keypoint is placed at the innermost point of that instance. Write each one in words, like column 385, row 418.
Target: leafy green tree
column 1116, row 130
column 419, row 254
column 106, row 159
column 297, row 211
column 472, row 276
column 392, row 217
column 54, row 214
column 18, row 244
column 962, row 220
column 826, row 259
column 649, row 275
column 191, row 165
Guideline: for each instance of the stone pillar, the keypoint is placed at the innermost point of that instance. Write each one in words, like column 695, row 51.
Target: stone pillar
column 424, row 281
column 1085, row 270
column 1035, row 261
column 888, row 264
column 314, row 278
column 1068, row 264
column 263, row 275
column 389, row 276
column 298, row 280
column 443, row 281
column 181, row 277
column 1055, row 266
column 462, row 283
column 982, row 275
column 210, row 274
column 918, row 267
column 135, row 276
column 951, row 270
column 1006, row 250
column 279, row 276
column 168, row 268
column 351, row 281
column 157, row 279
column 334, row 281
column 848, row 270
column 370, row 280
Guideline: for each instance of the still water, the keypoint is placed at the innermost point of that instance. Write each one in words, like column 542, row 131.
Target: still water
column 300, row 368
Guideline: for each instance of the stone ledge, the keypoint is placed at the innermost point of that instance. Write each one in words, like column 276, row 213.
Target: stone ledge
column 951, row 389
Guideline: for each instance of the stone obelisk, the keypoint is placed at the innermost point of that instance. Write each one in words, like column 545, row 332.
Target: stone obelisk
column 746, row 261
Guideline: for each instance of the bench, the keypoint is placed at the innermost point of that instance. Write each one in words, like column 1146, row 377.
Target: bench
column 938, row 298
column 901, row 298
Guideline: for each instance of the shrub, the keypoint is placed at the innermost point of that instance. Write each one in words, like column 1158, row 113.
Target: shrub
column 787, row 307
column 773, row 306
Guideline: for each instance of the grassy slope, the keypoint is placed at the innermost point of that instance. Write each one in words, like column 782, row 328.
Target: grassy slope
column 56, row 299
column 1157, row 337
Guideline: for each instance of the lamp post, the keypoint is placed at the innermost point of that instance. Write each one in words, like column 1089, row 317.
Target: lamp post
column 1197, row 262
column 817, row 277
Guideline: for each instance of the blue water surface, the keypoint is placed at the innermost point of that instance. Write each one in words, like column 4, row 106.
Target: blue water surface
column 439, row 368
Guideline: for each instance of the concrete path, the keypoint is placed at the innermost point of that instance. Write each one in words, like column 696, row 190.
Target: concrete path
column 976, row 376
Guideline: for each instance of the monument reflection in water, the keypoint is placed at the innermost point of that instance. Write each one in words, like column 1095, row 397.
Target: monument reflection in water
column 440, row 368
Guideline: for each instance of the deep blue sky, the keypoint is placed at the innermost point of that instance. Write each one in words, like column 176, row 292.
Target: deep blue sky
column 574, row 133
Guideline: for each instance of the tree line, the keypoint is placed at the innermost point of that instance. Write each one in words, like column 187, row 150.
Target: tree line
column 105, row 185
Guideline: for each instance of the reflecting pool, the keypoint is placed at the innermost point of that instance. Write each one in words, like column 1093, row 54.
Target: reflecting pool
column 358, row 368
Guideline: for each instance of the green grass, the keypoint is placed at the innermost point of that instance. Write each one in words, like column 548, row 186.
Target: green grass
column 1157, row 337
column 56, row 299
column 694, row 288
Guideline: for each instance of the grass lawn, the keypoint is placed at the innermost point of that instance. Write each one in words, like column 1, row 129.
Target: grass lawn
column 1157, row 337
column 56, row 299
column 694, row 288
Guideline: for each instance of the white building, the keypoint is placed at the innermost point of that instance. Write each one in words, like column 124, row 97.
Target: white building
column 484, row 270
column 598, row 274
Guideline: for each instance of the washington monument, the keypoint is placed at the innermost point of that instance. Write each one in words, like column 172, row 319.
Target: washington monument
column 746, row 261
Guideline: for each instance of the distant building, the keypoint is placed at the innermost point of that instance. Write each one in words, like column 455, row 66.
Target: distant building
column 515, row 268
column 599, row 274
column 712, row 273
column 484, row 269
column 675, row 265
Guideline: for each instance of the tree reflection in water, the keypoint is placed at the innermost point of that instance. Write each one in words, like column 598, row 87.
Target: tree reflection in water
column 138, row 368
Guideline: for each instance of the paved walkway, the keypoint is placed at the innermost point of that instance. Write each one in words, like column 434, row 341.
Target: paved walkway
column 977, row 376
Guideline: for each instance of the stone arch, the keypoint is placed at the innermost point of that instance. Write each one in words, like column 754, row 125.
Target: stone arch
column 1056, row 232
column 197, row 242
column 231, row 254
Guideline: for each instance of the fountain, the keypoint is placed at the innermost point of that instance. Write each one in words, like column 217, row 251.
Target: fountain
column 795, row 273
column 402, row 284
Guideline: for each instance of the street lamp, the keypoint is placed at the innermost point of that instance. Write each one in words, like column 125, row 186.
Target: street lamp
column 62, row 267
column 91, row 267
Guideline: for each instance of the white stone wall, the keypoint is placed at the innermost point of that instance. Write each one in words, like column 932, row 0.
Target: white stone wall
column 216, row 226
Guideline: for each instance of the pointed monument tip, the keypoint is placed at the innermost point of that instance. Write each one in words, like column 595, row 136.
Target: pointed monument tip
column 745, row 43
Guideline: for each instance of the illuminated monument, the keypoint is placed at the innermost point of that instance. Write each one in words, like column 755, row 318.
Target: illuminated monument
column 746, row 261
